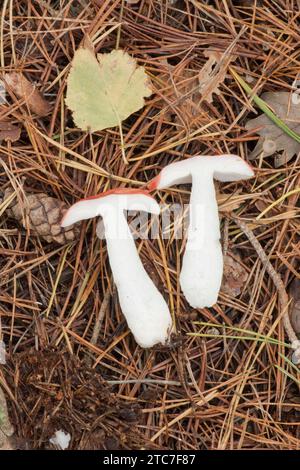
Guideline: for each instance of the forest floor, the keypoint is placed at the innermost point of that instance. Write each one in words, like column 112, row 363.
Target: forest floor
column 227, row 380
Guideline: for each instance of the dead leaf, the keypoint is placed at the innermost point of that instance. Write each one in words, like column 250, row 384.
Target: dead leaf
column 213, row 73
column 294, row 311
column 188, row 88
column 293, row 400
column 187, row 99
column 25, row 90
column 261, row 204
column 9, row 132
column 102, row 93
column 272, row 138
column 180, row 93
column 234, row 275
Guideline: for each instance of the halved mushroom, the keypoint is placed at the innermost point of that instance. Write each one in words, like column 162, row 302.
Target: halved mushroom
column 202, row 264
column 143, row 306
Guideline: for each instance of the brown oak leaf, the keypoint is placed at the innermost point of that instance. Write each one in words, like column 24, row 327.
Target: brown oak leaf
column 272, row 138
column 213, row 73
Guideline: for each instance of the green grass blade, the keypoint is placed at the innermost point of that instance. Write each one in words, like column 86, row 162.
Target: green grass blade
column 244, row 338
column 293, row 366
column 291, row 376
column 265, row 108
column 250, row 333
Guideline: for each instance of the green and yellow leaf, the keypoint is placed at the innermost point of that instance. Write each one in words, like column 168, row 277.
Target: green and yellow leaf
column 104, row 91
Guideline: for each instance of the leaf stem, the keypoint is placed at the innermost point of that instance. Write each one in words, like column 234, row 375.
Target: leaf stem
column 122, row 144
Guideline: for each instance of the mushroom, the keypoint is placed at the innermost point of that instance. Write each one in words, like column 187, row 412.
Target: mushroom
column 143, row 306
column 202, row 264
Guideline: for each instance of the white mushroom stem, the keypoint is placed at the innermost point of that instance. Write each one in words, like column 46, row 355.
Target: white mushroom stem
column 143, row 306
column 202, row 264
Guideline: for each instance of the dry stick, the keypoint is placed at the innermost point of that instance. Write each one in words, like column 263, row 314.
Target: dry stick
column 225, row 238
column 283, row 297
column 2, row 346
column 147, row 381
column 99, row 319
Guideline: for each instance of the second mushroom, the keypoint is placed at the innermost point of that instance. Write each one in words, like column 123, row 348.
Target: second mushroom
column 202, row 264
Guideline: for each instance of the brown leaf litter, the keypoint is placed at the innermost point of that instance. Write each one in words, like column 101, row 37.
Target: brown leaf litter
column 25, row 90
column 294, row 310
column 9, row 132
column 234, row 275
column 58, row 392
column 221, row 392
column 213, row 74
column 272, row 139
column 188, row 88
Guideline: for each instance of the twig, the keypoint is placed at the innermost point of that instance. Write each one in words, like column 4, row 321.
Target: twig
column 283, row 296
column 99, row 319
column 225, row 237
column 146, row 381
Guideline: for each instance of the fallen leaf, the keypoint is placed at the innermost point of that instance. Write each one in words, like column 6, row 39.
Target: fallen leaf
column 185, row 89
column 293, row 400
column 213, row 73
column 261, row 205
column 294, row 311
column 272, row 138
column 25, row 90
column 180, row 97
column 9, row 132
column 234, row 275
column 187, row 99
column 102, row 93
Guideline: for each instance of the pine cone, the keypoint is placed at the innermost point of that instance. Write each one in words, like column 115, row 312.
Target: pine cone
column 45, row 214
